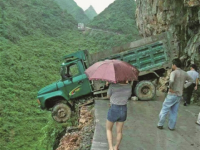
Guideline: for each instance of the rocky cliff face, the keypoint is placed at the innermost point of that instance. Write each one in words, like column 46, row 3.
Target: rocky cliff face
column 180, row 17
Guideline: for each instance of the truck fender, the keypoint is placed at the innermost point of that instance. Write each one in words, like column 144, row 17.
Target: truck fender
column 50, row 99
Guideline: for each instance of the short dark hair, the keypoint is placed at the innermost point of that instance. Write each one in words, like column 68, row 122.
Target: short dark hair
column 193, row 66
column 176, row 62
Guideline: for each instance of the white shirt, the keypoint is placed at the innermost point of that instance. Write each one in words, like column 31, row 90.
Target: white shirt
column 193, row 74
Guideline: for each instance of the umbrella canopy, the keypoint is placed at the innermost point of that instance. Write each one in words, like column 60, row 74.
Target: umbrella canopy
column 112, row 71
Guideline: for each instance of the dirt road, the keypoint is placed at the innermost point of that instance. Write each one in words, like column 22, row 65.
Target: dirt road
column 140, row 132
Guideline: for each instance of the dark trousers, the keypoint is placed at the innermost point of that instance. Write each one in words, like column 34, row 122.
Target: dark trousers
column 187, row 93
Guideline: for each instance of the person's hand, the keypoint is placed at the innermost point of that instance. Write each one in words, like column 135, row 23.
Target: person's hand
column 195, row 88
column 107, row 83
column 170, row 90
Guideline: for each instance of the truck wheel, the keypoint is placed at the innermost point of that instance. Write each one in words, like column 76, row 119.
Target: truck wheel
column 145, row 90
column 61, row 112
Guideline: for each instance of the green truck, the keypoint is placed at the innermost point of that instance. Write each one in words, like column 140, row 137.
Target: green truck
column 151, row 55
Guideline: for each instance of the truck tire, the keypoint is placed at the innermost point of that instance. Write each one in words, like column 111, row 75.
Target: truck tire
column 61, row 112
column 145, row 90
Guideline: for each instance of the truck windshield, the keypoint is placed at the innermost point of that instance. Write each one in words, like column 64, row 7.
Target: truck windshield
column 69, row 71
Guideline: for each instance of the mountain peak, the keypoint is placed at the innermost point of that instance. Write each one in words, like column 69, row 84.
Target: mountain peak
column 91, row 7
column 90, row 12
column 73, row 9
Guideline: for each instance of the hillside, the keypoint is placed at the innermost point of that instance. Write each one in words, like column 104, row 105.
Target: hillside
column 17, row 19
column 31, row 47
column 35, row 34
column 73, row 9
column 118, row 17
column 91, row 13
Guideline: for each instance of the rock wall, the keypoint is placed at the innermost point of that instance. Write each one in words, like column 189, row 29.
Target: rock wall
column 180, row 17
column 192, row 50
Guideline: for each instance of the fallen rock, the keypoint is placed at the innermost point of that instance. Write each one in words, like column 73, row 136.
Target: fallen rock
column 79, row 138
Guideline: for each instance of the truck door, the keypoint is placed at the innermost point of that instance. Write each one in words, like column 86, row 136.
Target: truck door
column 77, row 83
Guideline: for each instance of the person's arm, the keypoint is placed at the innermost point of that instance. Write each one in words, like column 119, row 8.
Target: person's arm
column 197, row 82
column 171, row 81
column 109, row 92
column 189, row 79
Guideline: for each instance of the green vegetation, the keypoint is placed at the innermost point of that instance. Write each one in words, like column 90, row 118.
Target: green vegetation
column 73, row 9
column 90, row 12
column 118, row 17
column 105, row 41
column 34, row 36
column 31, row 34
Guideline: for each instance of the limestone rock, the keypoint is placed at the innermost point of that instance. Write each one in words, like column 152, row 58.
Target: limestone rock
column 191, row 3
column 179, row 17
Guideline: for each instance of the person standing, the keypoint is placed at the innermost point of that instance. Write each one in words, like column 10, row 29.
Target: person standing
column 172, row 100
column 118, row 94
column 187, row 94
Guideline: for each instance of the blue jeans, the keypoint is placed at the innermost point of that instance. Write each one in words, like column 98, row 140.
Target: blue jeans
column 171, row 105
column 117, row 113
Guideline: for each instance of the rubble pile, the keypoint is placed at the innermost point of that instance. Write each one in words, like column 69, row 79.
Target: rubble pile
column 163, row 81
column 79, row 138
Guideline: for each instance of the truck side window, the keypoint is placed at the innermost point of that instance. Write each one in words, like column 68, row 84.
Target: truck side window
column 74, row 71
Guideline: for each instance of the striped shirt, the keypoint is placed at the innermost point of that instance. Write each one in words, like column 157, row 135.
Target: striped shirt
column 119, row 94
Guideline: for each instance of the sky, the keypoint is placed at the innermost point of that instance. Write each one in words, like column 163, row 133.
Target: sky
column 99, row 5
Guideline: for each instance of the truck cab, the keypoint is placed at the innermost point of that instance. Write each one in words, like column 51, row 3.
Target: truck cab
column 74, row 79
column 60, row 96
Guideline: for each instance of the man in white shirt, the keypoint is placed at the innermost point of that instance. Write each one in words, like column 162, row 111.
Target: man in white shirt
column 189, row 90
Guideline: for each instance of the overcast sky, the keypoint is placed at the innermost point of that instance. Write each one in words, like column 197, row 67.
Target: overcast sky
column 99, row 5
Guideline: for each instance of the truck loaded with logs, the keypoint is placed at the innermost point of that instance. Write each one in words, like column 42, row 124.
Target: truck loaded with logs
column 151, row 55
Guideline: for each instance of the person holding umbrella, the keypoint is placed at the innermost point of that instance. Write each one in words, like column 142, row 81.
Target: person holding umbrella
column 118, row 94
column 118, row 73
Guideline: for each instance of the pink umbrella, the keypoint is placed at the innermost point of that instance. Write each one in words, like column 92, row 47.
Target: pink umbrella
column 112, row 71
